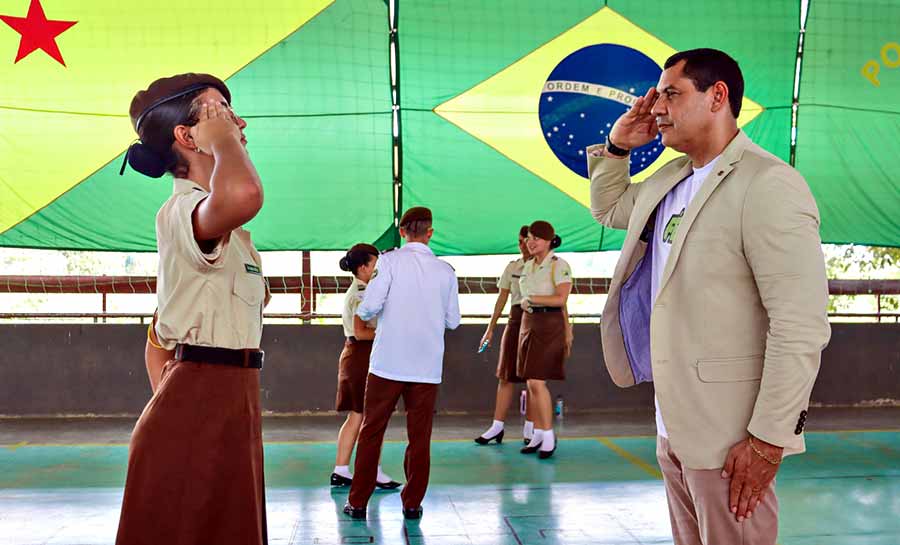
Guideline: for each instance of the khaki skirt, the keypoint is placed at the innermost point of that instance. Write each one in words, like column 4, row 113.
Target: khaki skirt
column 195, row 464
column 542, row 346
column 509, row 347
column 353, row 370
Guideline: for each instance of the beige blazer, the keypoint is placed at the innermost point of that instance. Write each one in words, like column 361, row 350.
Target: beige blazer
column 740, row 319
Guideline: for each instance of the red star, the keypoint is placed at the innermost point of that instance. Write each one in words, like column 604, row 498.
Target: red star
column 37, row 32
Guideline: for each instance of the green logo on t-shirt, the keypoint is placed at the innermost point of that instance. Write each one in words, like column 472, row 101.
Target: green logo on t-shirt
column 672, row 227
column 252, row 269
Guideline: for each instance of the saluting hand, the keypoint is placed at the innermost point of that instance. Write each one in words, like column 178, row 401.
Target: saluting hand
column 637, row 126
column 216, row 124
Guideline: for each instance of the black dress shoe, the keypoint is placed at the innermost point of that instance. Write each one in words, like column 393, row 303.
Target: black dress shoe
column 340, row 480
column 498, row 438
column 526, row 441
column 531, row 450
column 412, row 513
column 355, row 512
column 390, row 485
column 544, row 454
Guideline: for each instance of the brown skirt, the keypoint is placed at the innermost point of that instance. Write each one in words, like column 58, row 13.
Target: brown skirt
column 542, row 346
column 509, row 347
column 195, row 465
column 352, row 372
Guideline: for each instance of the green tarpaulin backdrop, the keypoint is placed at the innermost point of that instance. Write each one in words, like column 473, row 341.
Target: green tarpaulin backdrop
column 486, row 140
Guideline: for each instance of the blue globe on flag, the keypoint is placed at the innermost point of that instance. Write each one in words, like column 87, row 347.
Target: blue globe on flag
column 586, row 93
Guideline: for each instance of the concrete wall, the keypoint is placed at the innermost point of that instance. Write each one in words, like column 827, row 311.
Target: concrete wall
column 54, row 369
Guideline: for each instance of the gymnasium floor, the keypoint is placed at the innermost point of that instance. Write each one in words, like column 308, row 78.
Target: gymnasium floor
column 61, row 483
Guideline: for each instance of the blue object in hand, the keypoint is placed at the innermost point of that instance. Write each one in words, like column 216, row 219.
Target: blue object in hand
column 483, row 347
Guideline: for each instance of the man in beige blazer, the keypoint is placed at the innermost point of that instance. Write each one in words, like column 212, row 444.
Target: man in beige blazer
column 719, row 298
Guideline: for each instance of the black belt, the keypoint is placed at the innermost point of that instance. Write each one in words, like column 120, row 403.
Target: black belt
column 250, row 358
column 546, row 309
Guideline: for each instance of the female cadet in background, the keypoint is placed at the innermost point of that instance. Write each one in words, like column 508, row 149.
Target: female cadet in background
column 353, row 368
column 509, row 347
column 545, row 338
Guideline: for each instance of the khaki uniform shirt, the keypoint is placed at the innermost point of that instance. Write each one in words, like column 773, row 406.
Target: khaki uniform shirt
column 213, row 299
column 352, row 299
column 510, row 280
column 542, row 279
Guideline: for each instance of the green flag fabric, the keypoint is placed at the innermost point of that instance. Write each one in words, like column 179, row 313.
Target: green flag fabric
column 497, row 100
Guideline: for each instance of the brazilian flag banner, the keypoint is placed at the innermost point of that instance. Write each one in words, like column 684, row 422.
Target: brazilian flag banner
column 848, row 119
column 500, row 98
column 497, row 100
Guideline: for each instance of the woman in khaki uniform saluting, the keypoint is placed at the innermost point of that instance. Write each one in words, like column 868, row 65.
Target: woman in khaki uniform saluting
column 195, row 465
column 353, row 368
column 545, row 338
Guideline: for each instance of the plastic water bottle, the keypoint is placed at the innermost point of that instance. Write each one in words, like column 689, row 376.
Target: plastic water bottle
column 559, row 409
column 523, row 401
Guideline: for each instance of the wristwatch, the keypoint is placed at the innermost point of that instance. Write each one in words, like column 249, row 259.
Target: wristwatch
column 615, row 150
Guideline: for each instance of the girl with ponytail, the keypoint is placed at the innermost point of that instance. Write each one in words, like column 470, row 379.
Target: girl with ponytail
column 545, row 338
column 353, row 367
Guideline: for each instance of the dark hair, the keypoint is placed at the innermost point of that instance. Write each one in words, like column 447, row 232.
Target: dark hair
column 357, row 256
column 544, row 230
column 417, row 228
column 157, row 154
column 523, row 231
column 707, row 66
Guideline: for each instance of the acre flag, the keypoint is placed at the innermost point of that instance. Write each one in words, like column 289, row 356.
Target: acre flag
column 497, row 101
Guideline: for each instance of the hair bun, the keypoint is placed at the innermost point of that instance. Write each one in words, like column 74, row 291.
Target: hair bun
column 146, row 161
column 345, row 264
column 556, row 242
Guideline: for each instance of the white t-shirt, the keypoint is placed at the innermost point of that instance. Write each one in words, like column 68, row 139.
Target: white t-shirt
column 668, row 217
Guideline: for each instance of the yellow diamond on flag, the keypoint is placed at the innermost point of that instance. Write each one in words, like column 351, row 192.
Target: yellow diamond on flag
column 62, row 122
column 503, row 110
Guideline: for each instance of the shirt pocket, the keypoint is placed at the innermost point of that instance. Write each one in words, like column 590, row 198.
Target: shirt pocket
column 249, row 288
column 741, row 369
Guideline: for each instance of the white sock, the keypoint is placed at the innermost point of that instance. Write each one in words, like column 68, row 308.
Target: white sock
column 536, row 438
column 549, row 440
column 382, row 476
column 343, row 471
column 495, row 428
column 528, row 429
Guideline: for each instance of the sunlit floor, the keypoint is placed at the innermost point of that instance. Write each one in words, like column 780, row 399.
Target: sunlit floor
column 595, row 490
